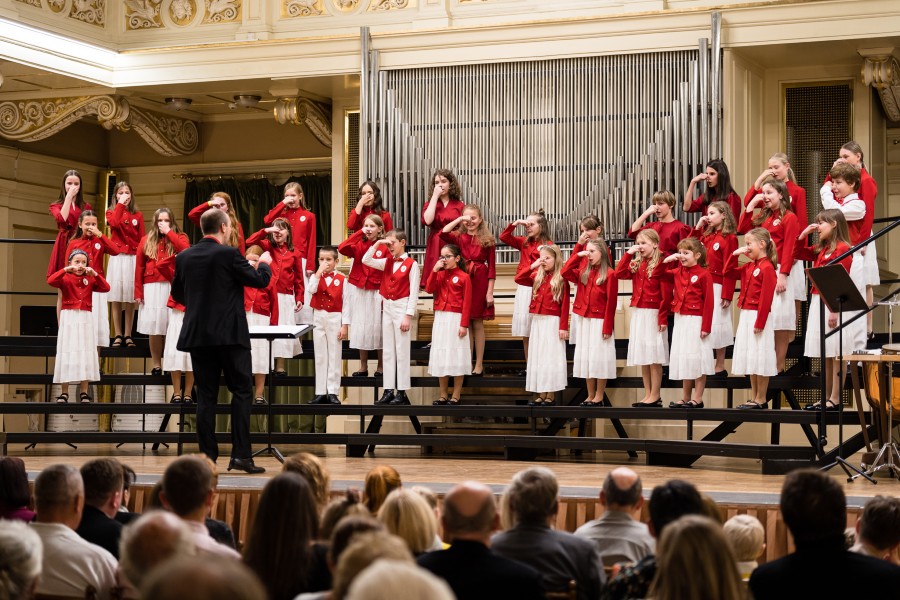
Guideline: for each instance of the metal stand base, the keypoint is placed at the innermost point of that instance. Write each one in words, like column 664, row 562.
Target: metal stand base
column 848, row 470
column 270, row 451
column 888, row 458
column 34, row 445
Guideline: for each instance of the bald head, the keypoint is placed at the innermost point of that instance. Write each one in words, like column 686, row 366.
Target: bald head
column 469, row 513
column 151, row 540
column 621, row 490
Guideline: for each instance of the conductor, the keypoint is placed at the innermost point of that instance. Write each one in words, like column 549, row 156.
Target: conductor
column 209, row 280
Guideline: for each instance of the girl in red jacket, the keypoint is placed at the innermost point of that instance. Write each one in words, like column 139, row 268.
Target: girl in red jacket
column 221, row 201
column 365, row 301
column 595, row 303
column 450, row 354
column 65, row 210
column 718, row 189
column 76, row 355
column 443, row 206
column 755, row 339
column 368, row 202
column 591, row 229
column 691, row 357
column 648, row 346
column 126, row 227
column 175, row 362
column 261, row 306
column 716, row 231
column 549, row 308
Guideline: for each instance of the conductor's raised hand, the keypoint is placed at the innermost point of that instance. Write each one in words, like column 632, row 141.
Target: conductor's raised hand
column 265, row 258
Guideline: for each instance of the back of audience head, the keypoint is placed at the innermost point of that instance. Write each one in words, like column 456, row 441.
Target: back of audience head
column 346, row 531
column 407, row 515
column 429, row 496
column 128, row 479
column 103, row 482
column 150, row 540
column 746, row 536
column 533, row 496
column 313, row 471
column 347, row 506
column 391, row 579
column 711, row 509
column 380, row 481
column 21, row 556
column 695, row 561
column 813, row 506
column 879, row 525
column 187, row 485
column 364, row 550
column 672, row 500
column 470, row 513
column 14, row 490
column 202, row 578
column 59, row 495
column 622, row 490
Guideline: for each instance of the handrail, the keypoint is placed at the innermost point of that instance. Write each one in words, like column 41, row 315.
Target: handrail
column 866, row 242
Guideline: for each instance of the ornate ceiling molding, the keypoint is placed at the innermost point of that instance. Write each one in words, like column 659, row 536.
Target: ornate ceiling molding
column 883, row 73
column 32, row 120
column 303, row 111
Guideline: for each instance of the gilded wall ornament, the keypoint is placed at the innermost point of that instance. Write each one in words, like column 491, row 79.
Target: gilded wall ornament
column 388, row 4
column 303, row 111
column 182, row 11
column 89, row 11
column 883, row 73
column 346, row 5
column 56, row 6
column 302, row 8
column 222, row 11
column 31, row 2
column 142, row 14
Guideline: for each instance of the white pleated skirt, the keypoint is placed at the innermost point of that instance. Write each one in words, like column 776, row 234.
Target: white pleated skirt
column 574, row 327
column 365, row 316
column 100, row 314
column 595, row 357
column 647, row 345
column 754, row 353
column 797, row 281
column 521, row 321
column 783, row 314
column 173, row 358
column 546, row 369
column 259, row 348
column 286, row 348
column 854, row 336
column 76, row 348
column 305, row 315
column 450, row 354
column 870, row 267
column 722, row 334
column 120, row 276
column 690, row 356
column 153, row 315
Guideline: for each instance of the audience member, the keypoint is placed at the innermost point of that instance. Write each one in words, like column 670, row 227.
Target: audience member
column 280, row 548
column 533, row 501
column 348, row 506
column 124, row 516
column 432, row 500
column 20, row 560
column 71, row 564
column 380, row 481
column 364, row 550
column 619, row 533
column 668, row 502
column 202, row 578
column 407, row 515
column 152, row 539
column 711, row 509
column 103, row 479
column 15, row 495
column 218, row 530
column 310, row 468
column 390, row 579
column 469, row 566
column 815, row 512
column 695, row 561
column 746, row 536
column 878, row 529
column 187, row 490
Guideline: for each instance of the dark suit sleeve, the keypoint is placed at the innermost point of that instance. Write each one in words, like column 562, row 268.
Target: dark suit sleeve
column 246, row 274
column 177, row 290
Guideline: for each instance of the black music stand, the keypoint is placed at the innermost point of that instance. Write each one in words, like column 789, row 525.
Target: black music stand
column 272, row 333
column 837, row 292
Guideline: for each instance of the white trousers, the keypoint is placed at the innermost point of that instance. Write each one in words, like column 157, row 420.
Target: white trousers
column 327, row 349
column 396, row 345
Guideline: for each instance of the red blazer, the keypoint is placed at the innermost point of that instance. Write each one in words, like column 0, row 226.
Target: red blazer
column 693, row 293
column 395, row 284
column 758, row 280
column 362, row 276
column 287, row 266
column 452, row 292
column 262, row 301
column 784, row 231
column 77, row 289
column 65, row 228
column 198, row 211
column 542, row 302
column 592, row 301
column 477, row 257
column 669, row 234
column 442, row 216
column 303, row 228
column 329, row 298
column 733, row 200
column 355, row 221
column 868, row 191
column 646, row 291
column 126, row 229
column 145, row 268
column 822, row 257
column 95, row 247
column 798, row 201
column 720, row 258
column 529, row 249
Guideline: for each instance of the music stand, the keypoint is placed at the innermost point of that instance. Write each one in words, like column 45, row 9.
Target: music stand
column 272, row 333
column 839, row 294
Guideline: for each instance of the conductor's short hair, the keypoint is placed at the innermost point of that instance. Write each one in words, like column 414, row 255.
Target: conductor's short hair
column 212, row 220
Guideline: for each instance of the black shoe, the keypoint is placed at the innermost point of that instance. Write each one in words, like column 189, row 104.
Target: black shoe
column 656, row 404
column 693, row 404
column 386, row 397
column 260, row 401
column 360, row 373
column 333, row 399
column 723, row 374
column 320, row 399
column 156, row 371
column 522, row 373
column 400, row 399
column 246, row 465
column 751, row 405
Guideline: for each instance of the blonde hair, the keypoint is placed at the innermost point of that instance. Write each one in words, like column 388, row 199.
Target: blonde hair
column 482, row 234
column 763, row 235
column 840, row 231
column 380, row 481
column 603, row 265
column 407, row 514
column 233, row 237
column 556, row 279
column 664, row 196
column 783, row 159
column 695, row 246
column 378, row 222
column 390, row 579
column 153, row 237
column 310, row 468
column 746, row 536
column 784, row 204
column 293, row 185
column 729, row 224
column 655, row 257
column 364, row 550
column 254, row 249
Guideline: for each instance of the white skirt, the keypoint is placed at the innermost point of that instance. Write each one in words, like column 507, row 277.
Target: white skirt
column 120, row 276
column 722, row 334
column 854, row 336
column 153, row 315
column 754, row 353
column 647, row 345
column 690, row 356
column 870, row 266
column 783, row 315
column 450, row 354
column 305, row 316
column 365, row 316
column 76, row 348
column 521, row 320
column 259, row 348
column 546, row 368
column 858, row 273
column 286, row 348
column 574, row 326
column 173, row 358
column 595, row 357
column 797, row 281
column 100, row 314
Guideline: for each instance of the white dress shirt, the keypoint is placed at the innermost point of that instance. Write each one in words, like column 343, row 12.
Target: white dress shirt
column 71, row 564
